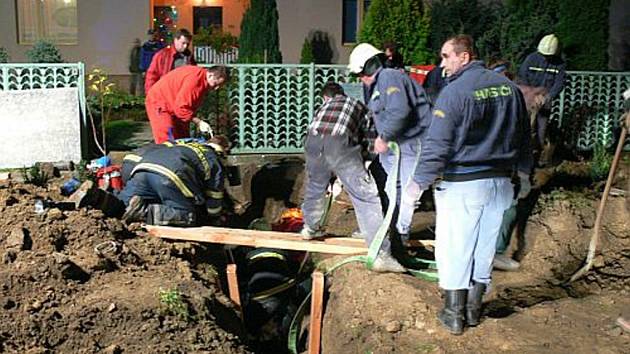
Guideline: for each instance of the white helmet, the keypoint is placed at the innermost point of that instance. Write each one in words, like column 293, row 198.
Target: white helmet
column 360, row 55
column 548, row 45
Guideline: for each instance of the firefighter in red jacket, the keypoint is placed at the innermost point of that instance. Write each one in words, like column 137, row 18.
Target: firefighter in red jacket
column 172, row 102
column 169, row 58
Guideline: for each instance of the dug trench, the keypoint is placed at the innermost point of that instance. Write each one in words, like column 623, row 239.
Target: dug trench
column 532, row 310
column 76, row 281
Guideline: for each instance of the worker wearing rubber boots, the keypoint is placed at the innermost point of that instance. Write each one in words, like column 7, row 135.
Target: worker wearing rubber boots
column 176, row 184
column 401, row 114
column 173, row 101
column 478, row 138
column 334, row 146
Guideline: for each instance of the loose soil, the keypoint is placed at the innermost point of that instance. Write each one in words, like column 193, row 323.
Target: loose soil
column 77, row 282
column 74, row 281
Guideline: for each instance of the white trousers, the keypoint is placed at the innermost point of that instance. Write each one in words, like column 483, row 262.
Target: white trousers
column 468, row 219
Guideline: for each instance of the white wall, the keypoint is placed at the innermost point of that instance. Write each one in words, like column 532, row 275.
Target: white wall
column 107, row 29
column 41, row 125
column 299, row 17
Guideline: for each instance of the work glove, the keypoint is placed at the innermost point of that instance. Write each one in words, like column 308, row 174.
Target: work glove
column 204, row 127
column 411, row 194
column 526, row 186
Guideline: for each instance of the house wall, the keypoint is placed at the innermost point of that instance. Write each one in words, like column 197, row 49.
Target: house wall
column 106, row 33
column 297, row 18
column 232, row 12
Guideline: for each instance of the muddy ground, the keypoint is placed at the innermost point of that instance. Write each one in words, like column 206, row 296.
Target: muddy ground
column 528, row 311
column 78, row 282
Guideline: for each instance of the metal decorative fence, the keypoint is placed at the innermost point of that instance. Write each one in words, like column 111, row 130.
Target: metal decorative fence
column 27, row 76
column 271, row 105
column 590, row 107
column 209, row 55
column 266, row 108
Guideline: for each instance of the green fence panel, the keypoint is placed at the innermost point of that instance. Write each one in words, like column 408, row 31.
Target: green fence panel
column 266, row 108
column 591, row 106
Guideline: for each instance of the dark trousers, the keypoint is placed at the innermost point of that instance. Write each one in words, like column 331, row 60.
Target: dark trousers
column 167, row 204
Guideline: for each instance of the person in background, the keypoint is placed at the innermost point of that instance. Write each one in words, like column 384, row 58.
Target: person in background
column 136, row 84
column 544, row 68
column 434, row 83
column 169, row 58
column 147, row 51
column 173, row 101
column 393, row 59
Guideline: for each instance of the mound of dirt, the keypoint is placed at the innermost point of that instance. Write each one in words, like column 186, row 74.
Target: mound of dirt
column 529, row 311
column 77, row 282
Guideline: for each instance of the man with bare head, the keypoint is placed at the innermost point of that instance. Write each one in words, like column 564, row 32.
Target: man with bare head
column 169, row 58
column 478, row 138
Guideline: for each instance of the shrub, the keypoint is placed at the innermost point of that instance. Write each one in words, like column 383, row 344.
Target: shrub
column 600, row 163
column 518, row 27
column 4, row 56
column 451, row 17
column 583, row 32
column 35, row 175
column 306, row 56
column 259, row 41
column 405, row 22
column 217, row 39
column 44, row 52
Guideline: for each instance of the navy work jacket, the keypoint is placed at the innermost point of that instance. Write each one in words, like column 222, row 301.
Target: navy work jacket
column 479, row 129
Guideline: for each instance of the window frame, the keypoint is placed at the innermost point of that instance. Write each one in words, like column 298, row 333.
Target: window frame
column 360, row 13
column 42, row 19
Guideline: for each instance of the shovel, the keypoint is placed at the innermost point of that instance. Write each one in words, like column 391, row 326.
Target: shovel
column 592, row 247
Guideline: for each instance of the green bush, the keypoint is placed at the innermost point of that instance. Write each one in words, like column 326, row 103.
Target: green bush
column 259, row 41
column 583, row 33
column 405, row 22
column 306, row 56
column 4, row 56
column 452, row 17
column 518, row 27
column 600, row 163
column 215, row 38
column 44, row 52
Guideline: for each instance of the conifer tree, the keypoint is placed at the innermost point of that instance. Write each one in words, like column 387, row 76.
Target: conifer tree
column 259, row 41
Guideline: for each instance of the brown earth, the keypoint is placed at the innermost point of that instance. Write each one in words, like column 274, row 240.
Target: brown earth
column 528, row 311
column 76, row 282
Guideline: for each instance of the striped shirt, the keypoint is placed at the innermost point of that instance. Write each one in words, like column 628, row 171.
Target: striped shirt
column 342, row 115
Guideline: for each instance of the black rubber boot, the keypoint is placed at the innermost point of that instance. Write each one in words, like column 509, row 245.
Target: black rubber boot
column 452, row 315
column 473, row 303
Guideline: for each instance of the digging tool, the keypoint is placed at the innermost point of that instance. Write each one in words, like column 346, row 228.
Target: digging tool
column 592, row 247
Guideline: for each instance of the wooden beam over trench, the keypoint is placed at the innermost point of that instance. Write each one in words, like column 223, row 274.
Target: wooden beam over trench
column 268, row 239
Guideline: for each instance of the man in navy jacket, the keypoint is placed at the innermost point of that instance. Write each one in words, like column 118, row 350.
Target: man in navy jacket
column 478, row 138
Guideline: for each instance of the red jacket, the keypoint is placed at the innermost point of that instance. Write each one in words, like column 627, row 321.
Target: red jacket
column 180, row 92
column 161, row 64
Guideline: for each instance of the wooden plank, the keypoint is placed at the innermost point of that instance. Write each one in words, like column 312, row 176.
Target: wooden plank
column 270, row 239
column 317, row 302
column 233, row 284
column 255, row 238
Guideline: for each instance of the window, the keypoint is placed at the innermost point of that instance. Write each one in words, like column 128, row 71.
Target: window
column 353, row 13
column 53, row 20
column 207, row 17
